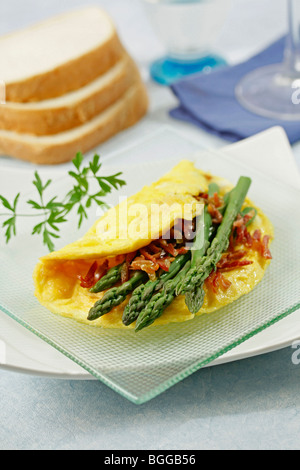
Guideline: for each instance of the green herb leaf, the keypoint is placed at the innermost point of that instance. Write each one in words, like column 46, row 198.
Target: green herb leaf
column 39, row 185
column 115, row 181
column 53, row 204
column 47, row 240
column 104, row 186
column 16, row 200
column 81, row 180
column 95, row 165
column 83, row 215
column 11, row 228
column 77, row 161
column 38, row 228
column 35, row 205
column 6, row 204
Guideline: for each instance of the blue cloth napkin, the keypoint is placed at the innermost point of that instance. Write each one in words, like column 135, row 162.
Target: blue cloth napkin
column 209, row 101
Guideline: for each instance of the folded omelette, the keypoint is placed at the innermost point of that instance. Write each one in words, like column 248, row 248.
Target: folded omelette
column 132, row 235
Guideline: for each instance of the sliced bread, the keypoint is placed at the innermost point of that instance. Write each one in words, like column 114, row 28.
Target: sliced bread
column 58, row 55
column 63, row 147
column 73, row 109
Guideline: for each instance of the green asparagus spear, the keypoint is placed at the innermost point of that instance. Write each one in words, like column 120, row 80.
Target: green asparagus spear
column 211, row 192
column 109, row 280
column 142, row 294
column 242, row 213
column 116, row 296
column 160, row 301
column 226, row 197
column 212, row 189
column 194, row 299
column 197, row 275
column 222, row 209
column 246, row 211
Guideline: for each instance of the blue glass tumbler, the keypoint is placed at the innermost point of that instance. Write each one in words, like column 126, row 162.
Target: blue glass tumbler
column 188, row 29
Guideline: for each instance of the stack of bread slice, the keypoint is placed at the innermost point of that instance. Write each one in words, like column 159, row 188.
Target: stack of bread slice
column 70, row 85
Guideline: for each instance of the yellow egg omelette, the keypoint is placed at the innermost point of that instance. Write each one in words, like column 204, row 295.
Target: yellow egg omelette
column 132, row 235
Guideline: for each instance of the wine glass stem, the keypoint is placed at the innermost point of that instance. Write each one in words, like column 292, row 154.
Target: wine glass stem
column 293, row 41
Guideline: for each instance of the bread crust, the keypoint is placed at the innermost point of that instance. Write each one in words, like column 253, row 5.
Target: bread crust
column 54, row 116
column 63, row 147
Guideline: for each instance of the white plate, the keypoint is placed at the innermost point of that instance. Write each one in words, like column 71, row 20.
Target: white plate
column 22, row 351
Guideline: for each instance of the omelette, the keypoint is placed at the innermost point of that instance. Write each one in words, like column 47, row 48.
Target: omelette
column 141, row 240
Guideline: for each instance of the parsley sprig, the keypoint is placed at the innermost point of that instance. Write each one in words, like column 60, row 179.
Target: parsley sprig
column 89, row 187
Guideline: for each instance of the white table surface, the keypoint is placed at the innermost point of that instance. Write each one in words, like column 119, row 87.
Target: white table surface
column 252, row 403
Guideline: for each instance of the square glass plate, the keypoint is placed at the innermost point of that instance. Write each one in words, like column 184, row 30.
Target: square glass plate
column 141, row 366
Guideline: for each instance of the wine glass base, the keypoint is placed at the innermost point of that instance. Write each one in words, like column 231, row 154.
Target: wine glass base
column 271, row 92
column 167, row 71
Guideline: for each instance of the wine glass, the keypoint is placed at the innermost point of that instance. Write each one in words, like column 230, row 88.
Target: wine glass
column 188, row 29
column 274, row 91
